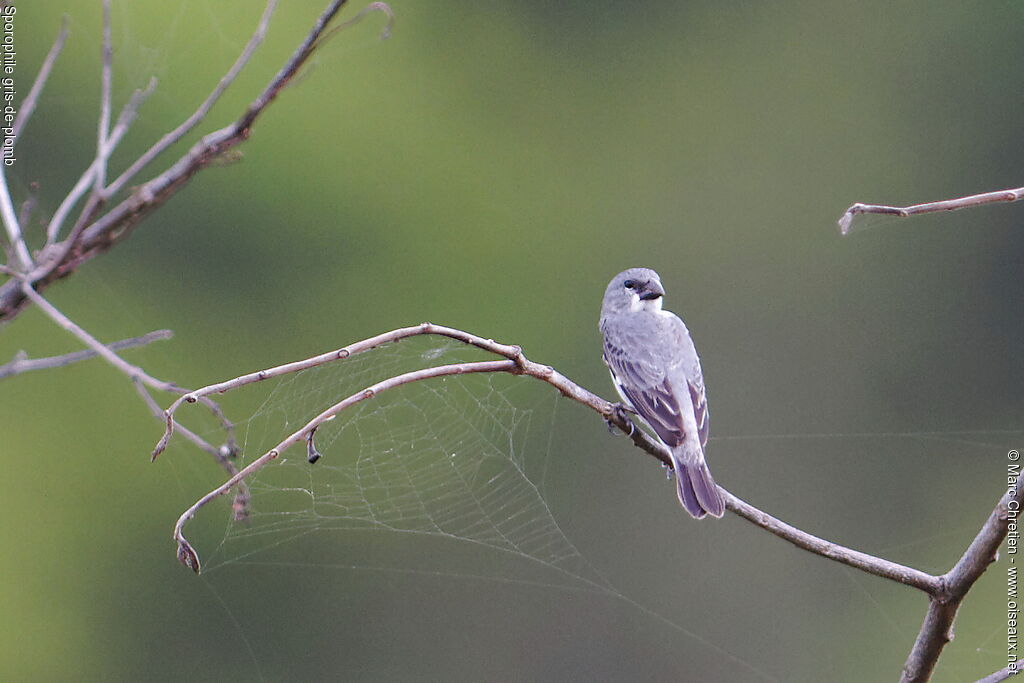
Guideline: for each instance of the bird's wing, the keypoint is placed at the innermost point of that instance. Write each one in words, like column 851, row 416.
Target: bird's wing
column 687, row 364
column 640, row 368
column 700, row 408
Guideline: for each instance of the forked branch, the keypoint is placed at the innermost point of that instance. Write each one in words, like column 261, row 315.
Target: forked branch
column 937, row 629
column 143, row 382
column 95, row 231
column 515, row 363
column 945, row 592
column 98, row 226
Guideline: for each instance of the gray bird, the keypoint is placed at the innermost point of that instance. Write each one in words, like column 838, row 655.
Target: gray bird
column 656, row 371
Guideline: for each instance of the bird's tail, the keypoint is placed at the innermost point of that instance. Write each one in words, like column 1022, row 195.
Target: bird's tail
column 697, row 490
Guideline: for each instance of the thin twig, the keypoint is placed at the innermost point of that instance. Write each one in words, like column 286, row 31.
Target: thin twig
column 13, row 227
column 124, row 121
column 510, row 352
column 342, row 353
column 516, row 363
column 132, row 371
column 187, row 555
column 852, row 558
column 223, row 455
column 22, row 363
column 68, row 203
column 98, row 347
column 1003, row 674
column 1010, row 195
column 28, row 105
column 199, row 114
column 98, row 197
column 56, row 261
column 128, row 114
column 106, row 77
column 945, row 592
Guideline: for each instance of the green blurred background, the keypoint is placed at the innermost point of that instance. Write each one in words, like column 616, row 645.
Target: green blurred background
column 491, row 166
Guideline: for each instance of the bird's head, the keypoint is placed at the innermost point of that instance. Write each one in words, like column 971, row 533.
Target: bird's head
column 636, row 289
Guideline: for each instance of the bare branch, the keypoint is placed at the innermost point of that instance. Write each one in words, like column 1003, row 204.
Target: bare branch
column 134, row 372
column 13, row 227
column 124, row 122
column 342, row 353
column 97, row 347
column 102, row 151
column 937, row 629
column 223, row 455
column 1011, row 195
column 57, row 260
column 68, row 203
column 188, row 556
column 199, row 114
column 128, row 114
column 28, row 105
column 1004, row 674
column 98, row 197
column 22, row 363
column 852, row 558
column 516, row 363
column 945, row 592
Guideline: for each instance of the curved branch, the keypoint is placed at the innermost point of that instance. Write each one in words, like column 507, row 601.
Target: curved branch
column 945, row 592
column 515, row 363
column 819, row 546
column 345, row 352
column 187, row 555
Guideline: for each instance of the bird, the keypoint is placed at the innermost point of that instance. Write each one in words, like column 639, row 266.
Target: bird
column 656, row 371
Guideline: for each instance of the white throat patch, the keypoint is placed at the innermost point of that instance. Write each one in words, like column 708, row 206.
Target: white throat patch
column 650, row 305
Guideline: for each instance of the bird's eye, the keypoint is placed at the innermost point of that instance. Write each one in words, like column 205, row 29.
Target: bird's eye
column 629, row 284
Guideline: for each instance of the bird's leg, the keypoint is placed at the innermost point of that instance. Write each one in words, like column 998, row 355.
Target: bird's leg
column 622, row 412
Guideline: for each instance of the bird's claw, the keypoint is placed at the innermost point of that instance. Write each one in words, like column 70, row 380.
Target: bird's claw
column 669, row 472
column 622, row 412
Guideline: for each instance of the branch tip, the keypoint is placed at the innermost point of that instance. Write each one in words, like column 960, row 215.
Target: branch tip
column 1011, row 195
column 187, row 555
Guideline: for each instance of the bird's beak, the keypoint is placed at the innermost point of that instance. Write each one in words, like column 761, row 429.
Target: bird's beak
column 652, row 291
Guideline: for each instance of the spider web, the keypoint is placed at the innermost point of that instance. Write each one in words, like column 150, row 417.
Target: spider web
column 459, row 458
column 441, row 466
column 451, row 469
